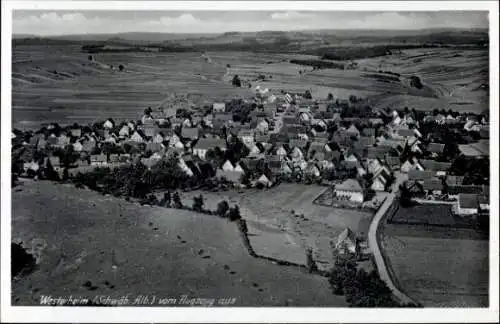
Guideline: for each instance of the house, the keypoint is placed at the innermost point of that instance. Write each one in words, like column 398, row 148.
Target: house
column 435, row 148
column 98, row 160
column 246, row 136
column 297, row 154
column 478, row 149
column 265, row 180
column 368, row 131
column 347, row 242
column 158, row 138
column 440, row 168
column 175, row 142
column 231, row 176
column 190, row 133
column 150, row 130
column 219, row 107
column 227, row 166
column 281, row 152
column 350, row 189
column 432, row 186
column 379, row 182
column 154, row 147
column 109, row 124
column 393, row 162
column 454, row 181
column 353, row 131
column 89, row 144
column 55, row 162
column 77, row 146
column 410, row 165
column 467, row 204
column 312, row 170
column 124, row 131
column 137, row 136
column 203, row 145
column 75, row 132
column 418, row 175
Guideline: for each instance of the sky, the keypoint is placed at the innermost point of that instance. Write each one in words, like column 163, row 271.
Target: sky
column 45, row 23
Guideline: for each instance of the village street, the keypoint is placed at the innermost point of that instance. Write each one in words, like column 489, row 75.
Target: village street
column 374, row 243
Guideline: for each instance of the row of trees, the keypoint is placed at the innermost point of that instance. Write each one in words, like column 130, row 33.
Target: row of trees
column 360, row 288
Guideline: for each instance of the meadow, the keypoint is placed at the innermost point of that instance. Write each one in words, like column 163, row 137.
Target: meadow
column 283, row 222
column 58, row 83
column 439, row 267
column 92, row 245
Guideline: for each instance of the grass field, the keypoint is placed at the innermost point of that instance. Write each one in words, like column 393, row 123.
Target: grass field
column 439, row 267
column 430, row 214
column 275, row 232
column 58, row 83
column 78, row 235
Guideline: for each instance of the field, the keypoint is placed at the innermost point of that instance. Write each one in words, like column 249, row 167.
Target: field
column 276, row 232
column 122, row 248
column 59, row 83
column 430, row 214
column 440, row 267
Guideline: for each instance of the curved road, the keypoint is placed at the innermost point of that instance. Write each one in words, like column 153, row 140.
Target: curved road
column 374, row 244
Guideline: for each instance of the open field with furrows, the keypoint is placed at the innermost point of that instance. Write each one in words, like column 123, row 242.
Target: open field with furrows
column 60, row 84
column 441, row 267
column 79, row 235
column 457, row 77
column 276, row 232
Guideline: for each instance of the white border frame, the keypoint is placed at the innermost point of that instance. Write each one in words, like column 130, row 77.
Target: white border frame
column 291, row 315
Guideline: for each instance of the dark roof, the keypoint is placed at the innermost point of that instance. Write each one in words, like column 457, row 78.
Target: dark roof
column 392, row 161
column 405, row 132
column 432, row 184
column 435, row 165
column 368, row 131
column 420, row 175
column 377, row 152
column 468, row 200
column 367, row 140
column 435, row 147
column 454, row 180
column 189, row 132
column 349, row 185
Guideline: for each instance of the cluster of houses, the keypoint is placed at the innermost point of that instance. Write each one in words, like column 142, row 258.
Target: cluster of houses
column 287, row 138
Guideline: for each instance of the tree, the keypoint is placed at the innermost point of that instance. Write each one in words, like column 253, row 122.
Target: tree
column 308, row 94
column 198, row 203
column 236, row 81
column 90, row 58
column 330, row 97
column 166, row 200
column 353, row 99
column 311, row 264
column 234, row 213
column 177, row 200
column 222, row 208
column 148, row 111
column 121, row 67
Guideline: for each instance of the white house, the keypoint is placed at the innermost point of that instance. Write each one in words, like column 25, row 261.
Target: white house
column 227, row 166
column 108, row 124
column 281, row 152
column 77, row 146
column 297, row 154
column 379, row 183
column 350, row 189
column 158, row 138
column 347, row 242
column 219, row 107
column 136, row 137
column 124, row 131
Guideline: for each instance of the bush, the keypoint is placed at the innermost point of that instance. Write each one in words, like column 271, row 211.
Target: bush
column 234, row 213
column 416, row 82
column 236, row 81
column 21, row 261
column 222, row 208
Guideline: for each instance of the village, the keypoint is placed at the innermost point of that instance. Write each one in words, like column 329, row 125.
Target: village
column 341, row 144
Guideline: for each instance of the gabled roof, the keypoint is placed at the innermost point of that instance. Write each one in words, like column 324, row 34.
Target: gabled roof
column 435, row 147
column 435, row 165
column 349, row 185
column 187, row 132
column 432, row 184
column 353, row 130
column 210, row 143
column 468, row 200
column 452, row 180
column 420, row 175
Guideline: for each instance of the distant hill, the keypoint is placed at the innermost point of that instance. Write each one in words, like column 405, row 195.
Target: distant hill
column 306, row 41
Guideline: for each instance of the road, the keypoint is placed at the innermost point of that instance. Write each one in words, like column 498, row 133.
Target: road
column 375, row 244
